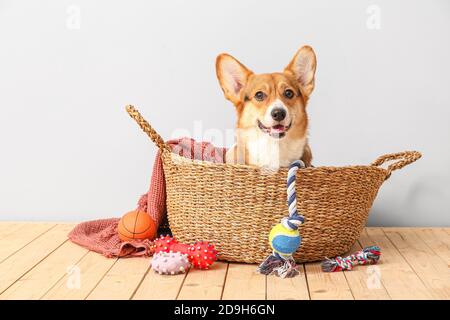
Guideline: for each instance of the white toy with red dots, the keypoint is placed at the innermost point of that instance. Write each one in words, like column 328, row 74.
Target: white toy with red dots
column 201, row 254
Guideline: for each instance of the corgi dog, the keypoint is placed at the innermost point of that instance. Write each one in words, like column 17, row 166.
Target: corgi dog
column 272, row 123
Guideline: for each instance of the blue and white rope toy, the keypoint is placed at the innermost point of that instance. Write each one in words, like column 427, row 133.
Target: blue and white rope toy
column 284, row 238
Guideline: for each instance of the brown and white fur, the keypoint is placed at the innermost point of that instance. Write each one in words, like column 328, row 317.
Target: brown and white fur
column 272, row 124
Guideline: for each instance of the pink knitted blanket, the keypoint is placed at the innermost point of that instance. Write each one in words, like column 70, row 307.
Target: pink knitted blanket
column 101, row 235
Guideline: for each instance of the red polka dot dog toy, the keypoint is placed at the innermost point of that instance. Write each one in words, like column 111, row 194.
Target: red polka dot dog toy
column 201, row 254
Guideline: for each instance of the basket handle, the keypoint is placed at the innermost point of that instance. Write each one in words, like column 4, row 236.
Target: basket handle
column 404, row 158
column 156, row 138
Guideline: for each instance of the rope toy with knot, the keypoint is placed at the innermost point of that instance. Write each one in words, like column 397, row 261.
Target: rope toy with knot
column 284, row 238
column 368, row 255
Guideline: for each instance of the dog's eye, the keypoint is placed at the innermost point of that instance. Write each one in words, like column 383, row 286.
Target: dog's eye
column 288, row 93
column 260, row 96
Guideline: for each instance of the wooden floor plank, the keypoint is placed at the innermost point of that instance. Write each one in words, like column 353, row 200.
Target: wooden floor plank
column 288, row 289
column 243, row 282
column 430, row 268
column 17, row 235
column 6, row 228
column 438, row 240
column 326, row 285
column 34, row 260
column 159, row 287
column 122, row 280
column 397, row 276
column 22, row 261
column 364, row 281
column 36, row 282
column 204, row 284
column 90, row 269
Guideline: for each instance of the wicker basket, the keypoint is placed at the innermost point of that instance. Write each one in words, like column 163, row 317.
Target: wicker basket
column 235, row 206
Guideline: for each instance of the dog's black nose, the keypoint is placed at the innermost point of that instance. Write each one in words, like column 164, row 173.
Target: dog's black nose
column 278, row 114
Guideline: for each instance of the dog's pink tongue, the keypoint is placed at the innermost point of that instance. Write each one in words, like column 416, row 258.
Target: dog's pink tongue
column 278, row 128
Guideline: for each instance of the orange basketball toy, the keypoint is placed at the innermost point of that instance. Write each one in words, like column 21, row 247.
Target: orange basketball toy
column 136, row 225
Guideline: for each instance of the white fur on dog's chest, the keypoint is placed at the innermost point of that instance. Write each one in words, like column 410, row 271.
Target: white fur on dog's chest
column 274, row 153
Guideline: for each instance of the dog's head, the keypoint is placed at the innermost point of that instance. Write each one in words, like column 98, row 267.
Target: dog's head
column 273, row 102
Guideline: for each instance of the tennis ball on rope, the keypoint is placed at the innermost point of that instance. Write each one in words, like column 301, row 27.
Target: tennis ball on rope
column 284, row 241
column 284, row 238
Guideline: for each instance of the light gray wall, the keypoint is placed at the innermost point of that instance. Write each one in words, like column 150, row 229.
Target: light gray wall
column 70, row 152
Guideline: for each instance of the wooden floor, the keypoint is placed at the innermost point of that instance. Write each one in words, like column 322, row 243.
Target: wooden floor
column 38, row 262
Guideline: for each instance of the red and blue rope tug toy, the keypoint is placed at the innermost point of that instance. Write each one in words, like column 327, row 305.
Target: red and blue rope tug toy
column 368, row 255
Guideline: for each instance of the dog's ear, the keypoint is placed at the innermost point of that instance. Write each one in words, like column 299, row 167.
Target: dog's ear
column 303, row 67
column 232, row 76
